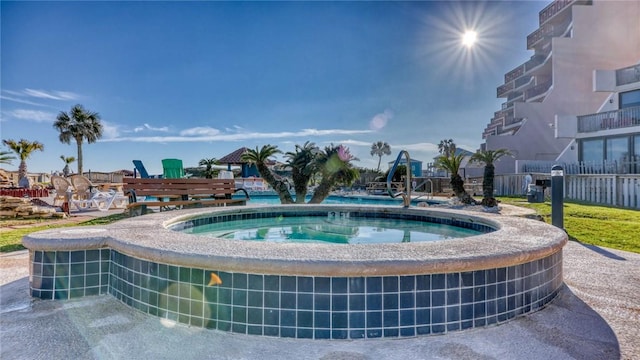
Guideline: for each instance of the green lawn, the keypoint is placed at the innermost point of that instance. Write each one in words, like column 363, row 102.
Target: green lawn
column 590, row 224
column 11, row 240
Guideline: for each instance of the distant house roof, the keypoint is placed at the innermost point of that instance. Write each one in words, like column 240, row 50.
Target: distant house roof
column 234, row 157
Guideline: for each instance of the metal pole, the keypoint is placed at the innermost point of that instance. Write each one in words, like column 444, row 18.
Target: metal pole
column 557, row 196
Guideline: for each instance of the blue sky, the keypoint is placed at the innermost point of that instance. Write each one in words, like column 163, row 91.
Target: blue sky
column 194, row 80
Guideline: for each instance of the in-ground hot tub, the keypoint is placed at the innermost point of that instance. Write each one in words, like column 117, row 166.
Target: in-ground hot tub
column 320, row 291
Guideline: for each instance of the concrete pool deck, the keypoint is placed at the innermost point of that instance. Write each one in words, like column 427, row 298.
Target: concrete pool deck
column 596, row 316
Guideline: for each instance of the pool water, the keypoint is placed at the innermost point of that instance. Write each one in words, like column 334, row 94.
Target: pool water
column 336, row 199
column 331, row 230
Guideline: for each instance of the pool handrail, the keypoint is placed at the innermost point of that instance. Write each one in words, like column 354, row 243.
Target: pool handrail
column 406, row 195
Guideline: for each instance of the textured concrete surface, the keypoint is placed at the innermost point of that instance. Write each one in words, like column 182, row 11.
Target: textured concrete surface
column 596, row 316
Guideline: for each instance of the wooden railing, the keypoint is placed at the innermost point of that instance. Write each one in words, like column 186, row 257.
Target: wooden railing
column 615, row 119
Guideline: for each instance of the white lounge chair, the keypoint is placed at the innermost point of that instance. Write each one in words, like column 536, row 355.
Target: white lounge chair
column 87, row 195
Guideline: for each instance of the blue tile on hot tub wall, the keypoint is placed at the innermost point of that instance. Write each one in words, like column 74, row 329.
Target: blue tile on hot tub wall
column 305, row 284
column 438, row 281
column 322, row 285
column 374, row 284
column 357, row 285
column 357, row 320
column 390, row 284
column 356, row 302
column 322, row 319
column 272, row 283
column 339, row 285
column 407, row 283
column 339, row 303
column 256, row 282
column 322, row 301
column 305, row 301
column 288, row 283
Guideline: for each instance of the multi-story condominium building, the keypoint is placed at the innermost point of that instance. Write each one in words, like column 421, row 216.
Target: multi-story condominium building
column 543, row 96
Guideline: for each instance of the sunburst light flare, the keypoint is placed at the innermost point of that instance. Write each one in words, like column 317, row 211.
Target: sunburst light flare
column 469, row 38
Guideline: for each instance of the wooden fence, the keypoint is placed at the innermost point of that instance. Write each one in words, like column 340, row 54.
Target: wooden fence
column 614, row 190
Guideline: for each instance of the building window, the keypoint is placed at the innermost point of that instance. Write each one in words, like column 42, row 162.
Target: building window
column 593, row 150
column 618, row 151
column 629, row 99
column 635, row 164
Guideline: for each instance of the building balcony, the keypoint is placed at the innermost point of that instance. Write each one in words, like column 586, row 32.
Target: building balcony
column 510, row 122
column 628, row 75
column 556, row 8
column 537, row 91
column 503, row 90
column 616, row 119
column 523, row 81
column 547, row 31
column 514, row 74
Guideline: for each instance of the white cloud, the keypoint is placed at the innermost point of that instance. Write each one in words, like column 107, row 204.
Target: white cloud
column 203, row 131
column 53, row 95
column 150, row 128
column 32, row 115
column 426, row 147
column 21, row 101
column 379, row 121
column 110, row 131
column 351, row 142
column 205, row 134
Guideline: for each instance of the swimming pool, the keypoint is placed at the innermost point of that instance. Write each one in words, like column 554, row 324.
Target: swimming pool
column 361, row 199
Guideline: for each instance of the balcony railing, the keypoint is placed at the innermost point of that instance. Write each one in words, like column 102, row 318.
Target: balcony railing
column 503, row 113
column 615, row 119
column 552, row 9
column 534, row 62
column 513, row 96
column 547, row 31
column 628, row 75
column 514, row 74
column 537, row 90
column 504, row 89
column 522, row 81
column 510, row 120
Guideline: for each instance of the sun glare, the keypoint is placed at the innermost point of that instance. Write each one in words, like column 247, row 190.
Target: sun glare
column 469, row 38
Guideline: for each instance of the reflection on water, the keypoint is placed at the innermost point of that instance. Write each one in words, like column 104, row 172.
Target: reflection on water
column 335, row 228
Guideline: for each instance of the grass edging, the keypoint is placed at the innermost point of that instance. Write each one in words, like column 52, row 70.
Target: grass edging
column 11, row 240
column 605, row 226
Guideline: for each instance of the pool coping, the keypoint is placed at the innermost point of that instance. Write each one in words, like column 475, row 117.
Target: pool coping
column 516, row 241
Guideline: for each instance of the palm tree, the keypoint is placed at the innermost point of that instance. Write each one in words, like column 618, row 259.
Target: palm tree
column 451, row 163
column 23, row 149
column 302, row 163
column 208, row 172
column 447, row 147
column 67, row 160
column 260, row 158
column 489, row 157
column 334, row 163
column 5, row 157
column 378, row 149
column 78, row 124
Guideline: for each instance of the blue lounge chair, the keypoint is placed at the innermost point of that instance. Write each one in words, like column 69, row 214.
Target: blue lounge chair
column 142, row 171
